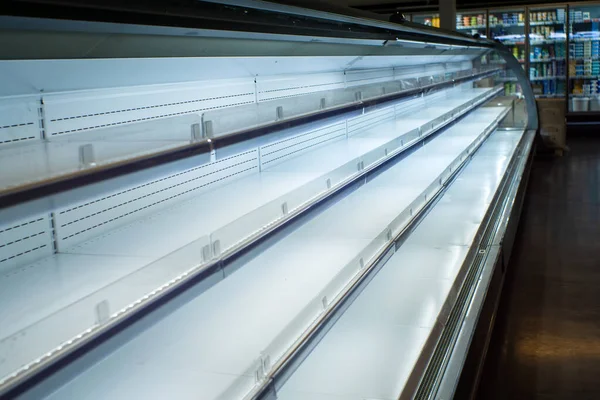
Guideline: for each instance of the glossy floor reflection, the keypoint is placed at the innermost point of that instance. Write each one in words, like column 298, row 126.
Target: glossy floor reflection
column 546, row 343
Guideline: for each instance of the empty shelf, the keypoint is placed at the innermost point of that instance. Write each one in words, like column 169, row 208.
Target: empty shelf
column 157, row 249
column 373, row 347
column 270, row 296
column 38, row 161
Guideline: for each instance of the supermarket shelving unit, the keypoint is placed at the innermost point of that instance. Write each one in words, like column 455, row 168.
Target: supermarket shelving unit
column 509, row 26
column 472, row 22
column 584, row 67
column 558, row 46
column 548, row 58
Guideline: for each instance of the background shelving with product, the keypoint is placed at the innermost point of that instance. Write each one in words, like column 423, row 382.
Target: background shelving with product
column 430, row 19
column 508, row 27
column 472, row 22
column 558, row 44
column 584, row 58
column 547, row 51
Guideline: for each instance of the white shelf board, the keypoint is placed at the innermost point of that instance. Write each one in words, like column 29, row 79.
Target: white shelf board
column 225, row 329
column 389, row 202
column 40, row 160
column 48, row 285
column 373, row 347
column 382, row 353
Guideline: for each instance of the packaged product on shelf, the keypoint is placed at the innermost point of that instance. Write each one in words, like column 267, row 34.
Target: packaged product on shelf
column 572, row 68
column 577, row 16
column 578, row 87
column 560, row 50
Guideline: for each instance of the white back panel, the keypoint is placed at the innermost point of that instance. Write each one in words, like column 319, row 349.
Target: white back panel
column 371, row 118
column 95, row 217
column 367, row 77
column 19, row 120
column 463, row 65
column 273, row 153
column 25, row 241
column 420, row 71
column 31, row 76
column 83, row 111
column 437, row 96
column 411, row 106
column 270, row 88
column 409, row 72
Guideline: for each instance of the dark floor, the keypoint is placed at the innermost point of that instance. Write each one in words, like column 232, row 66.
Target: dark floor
column 546, row 343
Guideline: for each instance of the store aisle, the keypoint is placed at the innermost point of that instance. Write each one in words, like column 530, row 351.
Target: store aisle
column 546, row 342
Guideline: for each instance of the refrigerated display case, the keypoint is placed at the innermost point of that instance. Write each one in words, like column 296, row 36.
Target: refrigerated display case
column 547, row 51
column 472, row 22
column 584, row 58
column 207, row 211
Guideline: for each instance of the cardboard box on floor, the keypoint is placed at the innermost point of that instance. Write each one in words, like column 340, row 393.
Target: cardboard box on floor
column 484, row 83
column 553, row 126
